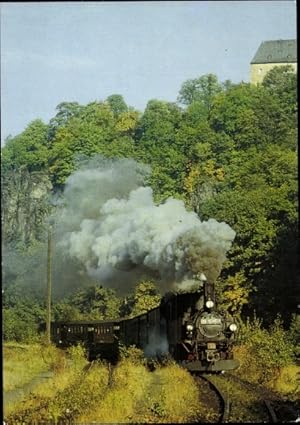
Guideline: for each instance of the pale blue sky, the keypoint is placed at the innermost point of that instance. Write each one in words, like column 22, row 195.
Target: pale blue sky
column 84, row 51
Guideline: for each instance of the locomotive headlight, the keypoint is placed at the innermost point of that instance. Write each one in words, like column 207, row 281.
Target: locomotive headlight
column 209, row 304
column 233, row 327
column 189, row 328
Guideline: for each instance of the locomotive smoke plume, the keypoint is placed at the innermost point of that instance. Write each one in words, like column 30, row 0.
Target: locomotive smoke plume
column 110, row 223
column 158, row 345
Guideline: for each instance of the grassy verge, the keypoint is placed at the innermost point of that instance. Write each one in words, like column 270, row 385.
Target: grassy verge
column 119, row 401
column 246, row 404
column 284, row 379
column 167, row 395
column 66, row 368
column 22, row 362
column 82, row 395
column 173, row 396
column 288, row 382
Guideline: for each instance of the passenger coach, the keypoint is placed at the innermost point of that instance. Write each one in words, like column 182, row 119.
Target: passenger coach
column 100, row 338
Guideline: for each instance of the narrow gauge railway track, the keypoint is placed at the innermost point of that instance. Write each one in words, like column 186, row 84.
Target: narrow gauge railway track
column 265, row 398
column 282, row 412
column 223, row 403
column 88, row 367
column 271, row 411
column 110, row 375
column 279, row 411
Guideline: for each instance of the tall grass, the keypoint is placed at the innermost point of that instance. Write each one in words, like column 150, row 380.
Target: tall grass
column 288, row 382
column 82, row 395
column 66, row 368
column 137, row 395
column 22, row 362
column 175, row 398
column 120, row 399
column 134, row 395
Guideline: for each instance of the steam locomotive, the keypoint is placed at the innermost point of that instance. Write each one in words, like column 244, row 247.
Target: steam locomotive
column 186, row 325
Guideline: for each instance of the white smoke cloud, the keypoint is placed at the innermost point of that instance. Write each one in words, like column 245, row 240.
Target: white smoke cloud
column 113, row 226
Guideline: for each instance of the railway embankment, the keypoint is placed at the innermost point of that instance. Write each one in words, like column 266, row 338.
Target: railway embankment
column 82, row 392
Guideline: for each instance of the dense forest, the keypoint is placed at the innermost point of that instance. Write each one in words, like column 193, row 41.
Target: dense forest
column 228, row 151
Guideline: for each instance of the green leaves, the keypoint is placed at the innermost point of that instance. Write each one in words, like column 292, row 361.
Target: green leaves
column 96, row 303
column 267, row 350
column 29, row 149
column 230, row 154
column 94, row 129
column 281, row 81
column 145, row 298
column 117, row 104
column 202, row 90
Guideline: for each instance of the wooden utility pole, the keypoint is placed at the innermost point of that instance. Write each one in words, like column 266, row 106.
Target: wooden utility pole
column 49, row 285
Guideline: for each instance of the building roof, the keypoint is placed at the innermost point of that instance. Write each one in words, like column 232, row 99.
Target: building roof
column 276, row 51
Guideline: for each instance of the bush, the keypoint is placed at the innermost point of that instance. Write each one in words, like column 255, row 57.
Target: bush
column 264, row 352
column 294, row 334
column 132, row 353
column 78, row 356
column 18, row 327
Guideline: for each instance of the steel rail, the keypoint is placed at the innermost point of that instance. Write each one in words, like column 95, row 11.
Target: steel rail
column 255, row 387
column 271, row 412
column 225, row 401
